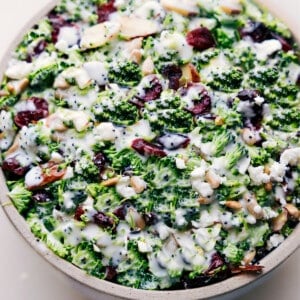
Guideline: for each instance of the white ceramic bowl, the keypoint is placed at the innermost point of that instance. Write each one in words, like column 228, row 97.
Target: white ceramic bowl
column 288, row 11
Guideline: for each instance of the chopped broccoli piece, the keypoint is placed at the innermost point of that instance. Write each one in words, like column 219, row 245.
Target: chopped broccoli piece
column 262, row 78
column 234, row 155
column 21, row 197
column 220, row 141
column 259, row 156
column 125, row 73
column 223, row 38
column 8, row 101
column 233, row 253
column 43, row 78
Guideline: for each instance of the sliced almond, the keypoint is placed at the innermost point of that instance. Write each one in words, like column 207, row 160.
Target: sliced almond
column 136, row 56
column 231, row 7
column 189, row 74
column 204, row 200
column 14, row 147
column 249, row 256
column 100, row 34
column 280, row 220
column 250, row 137
column 110, row 182
column 253, row 207
column 268, row 186
column 135, row 44
column 148, row 67
column 183, row 7
column 133, row 27
column 138, row 184
column 136, row 218
column 4, row 93
column 213, row 179
column 233, row 204
column 292, row 210
column 61, row 83
column 55, row 123
column 18, row 86
column 219, row 121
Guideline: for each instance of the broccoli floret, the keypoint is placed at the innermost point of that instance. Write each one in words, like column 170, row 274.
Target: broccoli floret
column 262, row 78
column 224, row 38
column 220, row 141
column 284, row 95
column 43, row 78
column 84, row 257
column 233, row 253
column 57, row 247
column 8, row 101
column 234, row 155
column 227, row 81
column 21, row 197
column 201, row 59
column 86, row 168
column 258, row 234
column 36, row 226
column 125, row 73
column 259, row 156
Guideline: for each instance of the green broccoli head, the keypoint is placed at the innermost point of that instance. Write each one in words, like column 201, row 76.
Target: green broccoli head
column 43, row 78
column 221, row 140
column 227, row 81
column 264, row 77
column 125, row 73
column 233, row 254
column 234, row 155
column 21, row 197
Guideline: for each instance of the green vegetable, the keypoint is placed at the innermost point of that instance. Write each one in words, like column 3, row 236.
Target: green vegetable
column 233, row 253
column 125, row 73
column 43, row 78
column 20, row 196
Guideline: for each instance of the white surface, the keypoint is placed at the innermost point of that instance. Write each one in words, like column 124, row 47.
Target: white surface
column 26, row 276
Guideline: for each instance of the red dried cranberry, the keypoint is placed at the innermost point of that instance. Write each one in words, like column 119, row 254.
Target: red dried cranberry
column 286, row 46
column 57, row 22
column 216, row 262
column 110, row 273
column 103, row 220
column 153, row 91
column 200, row 38
column 173, row 141
column 13, row 166
column 173, row 73
column 145, row 148
column 150, row 218
column 78, row 213
column 257, row 31
column 248, row 95
column 23, row 118
column 201, row 107
column 40, row 47
column 41, row 197
column 105, row 10
column 99, row 161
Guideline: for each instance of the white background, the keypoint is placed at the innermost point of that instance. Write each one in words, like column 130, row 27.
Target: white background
column 26, row 276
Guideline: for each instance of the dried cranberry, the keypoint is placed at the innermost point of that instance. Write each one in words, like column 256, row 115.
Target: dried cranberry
column 173, row 141
column 41, row 197
column 145, row 148
column 216, row 262
column 23, row 118
column 153, row 91
column 57, row 22
column 99, row 161
column 257, row 31
column 40, row 47
column 105, row 10
column 150, row 218
column 78, row 213
column 110, row 273
column 173, row 73
column 247, row 95
column 200, row 38
column 201, row 107
column 13, row 166
column 103, row 220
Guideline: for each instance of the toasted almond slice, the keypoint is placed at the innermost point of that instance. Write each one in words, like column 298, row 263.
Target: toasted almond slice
column 61, row 83
column 136, row 56
column 183, row 7
column 250, row 137
column 204, row 200
column 189, row 74
column 268, row 186
column 253, row 207
column 213, row 179
column 148, row 67
column 18, row 86
column 4, row 93
column 134, row 216
column 292, row 210
column 110, row 182
column 219, row 121
column 133, row 27
column 55, row 123
column 135, row 44
column 231, row 7
column 280, row 220
column 14, row 147
column 249, row 256
column 233, row 204
column 138, row 184
column 100, row 34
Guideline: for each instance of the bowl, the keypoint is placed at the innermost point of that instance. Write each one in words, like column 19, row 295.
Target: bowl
column 227, row 289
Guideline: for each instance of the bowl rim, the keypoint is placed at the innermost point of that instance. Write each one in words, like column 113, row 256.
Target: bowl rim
column 233, row 284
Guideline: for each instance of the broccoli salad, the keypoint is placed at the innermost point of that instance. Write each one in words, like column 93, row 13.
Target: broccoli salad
column 155, row 143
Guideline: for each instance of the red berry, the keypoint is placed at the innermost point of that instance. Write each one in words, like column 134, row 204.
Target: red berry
column 145, row 148
column 105, row 10
column 200, row 38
